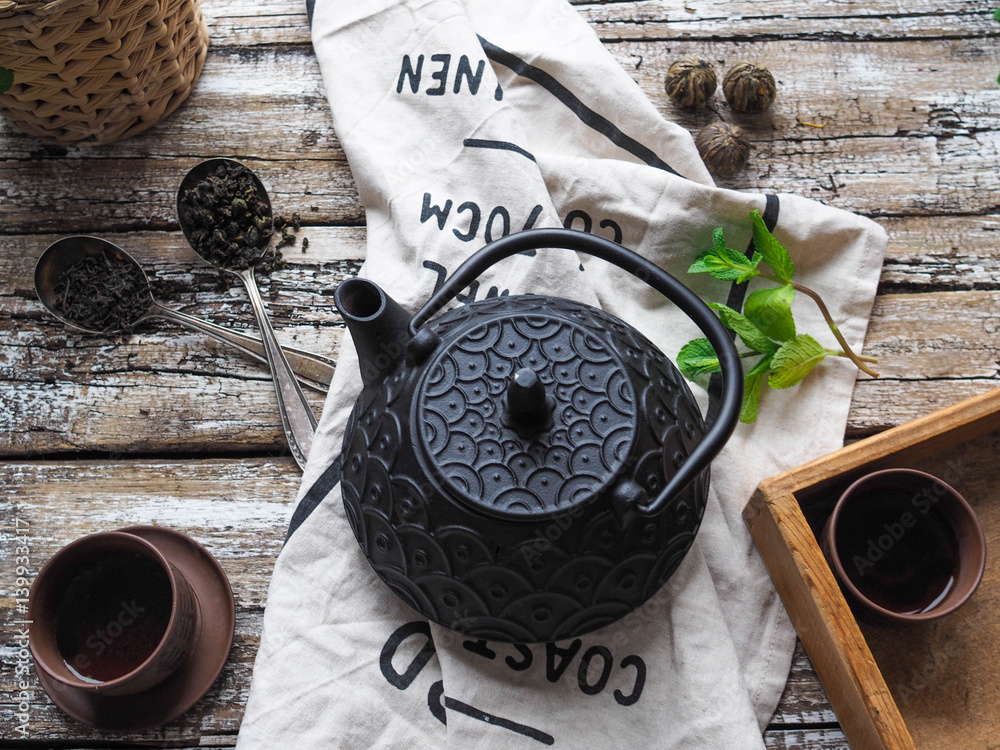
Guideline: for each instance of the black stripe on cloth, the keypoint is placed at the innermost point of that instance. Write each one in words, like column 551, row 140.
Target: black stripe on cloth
column 315, row 495
column 501, row 145
column 588, row 116
column 737, row 293
column 498, row 721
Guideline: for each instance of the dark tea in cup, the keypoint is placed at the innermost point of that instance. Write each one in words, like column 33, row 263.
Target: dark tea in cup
column 110, row 614
column 904, row 545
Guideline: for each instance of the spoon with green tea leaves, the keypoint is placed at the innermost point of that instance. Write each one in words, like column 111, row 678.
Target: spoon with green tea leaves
column 95, row 286
column 225, row 214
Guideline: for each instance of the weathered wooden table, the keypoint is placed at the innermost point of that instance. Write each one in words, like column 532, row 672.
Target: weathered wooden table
column 885, row 108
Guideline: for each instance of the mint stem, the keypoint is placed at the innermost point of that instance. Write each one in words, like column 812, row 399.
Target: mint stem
column 839, row 353
column 859, row 361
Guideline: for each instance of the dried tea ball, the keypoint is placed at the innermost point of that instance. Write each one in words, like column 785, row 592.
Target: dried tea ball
column 723, row 147
column 690, row 82
column 749, row 87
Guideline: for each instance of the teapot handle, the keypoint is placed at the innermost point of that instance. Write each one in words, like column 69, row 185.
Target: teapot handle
column 569, row 239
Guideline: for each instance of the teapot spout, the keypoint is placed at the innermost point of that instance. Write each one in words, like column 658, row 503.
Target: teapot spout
column 379, row 327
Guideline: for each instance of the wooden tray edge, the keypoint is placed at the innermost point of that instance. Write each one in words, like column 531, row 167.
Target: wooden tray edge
column 830, row 634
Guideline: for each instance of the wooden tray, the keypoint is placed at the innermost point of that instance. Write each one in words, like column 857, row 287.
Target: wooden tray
column 944, row 675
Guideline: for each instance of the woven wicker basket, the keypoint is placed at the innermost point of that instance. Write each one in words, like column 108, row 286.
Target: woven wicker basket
column 97, row 71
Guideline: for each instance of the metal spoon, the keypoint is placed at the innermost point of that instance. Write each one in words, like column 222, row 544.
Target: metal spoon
column 296, row 415
column 311, row 369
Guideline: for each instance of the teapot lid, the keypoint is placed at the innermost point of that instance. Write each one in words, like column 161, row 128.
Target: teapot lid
column 529, row 411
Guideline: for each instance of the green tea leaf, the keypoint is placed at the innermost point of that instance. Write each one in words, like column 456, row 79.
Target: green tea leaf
column 774, row 253
column 696, row 358
column 794, row 360
column 771, row 311
column 749, row 334
column 6, row 79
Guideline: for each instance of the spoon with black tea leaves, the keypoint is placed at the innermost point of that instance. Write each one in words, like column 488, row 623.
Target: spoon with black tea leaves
column 68, row 255
column 225, row 214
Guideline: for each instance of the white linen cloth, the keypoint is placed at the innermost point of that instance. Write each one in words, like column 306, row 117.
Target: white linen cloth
column 464, row 120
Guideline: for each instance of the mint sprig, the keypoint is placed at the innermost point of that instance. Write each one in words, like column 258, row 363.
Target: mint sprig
column 6, row 79
column 725, row 263
column 778, row 355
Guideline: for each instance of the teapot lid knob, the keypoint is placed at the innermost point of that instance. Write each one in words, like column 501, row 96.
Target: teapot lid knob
column 526, row 400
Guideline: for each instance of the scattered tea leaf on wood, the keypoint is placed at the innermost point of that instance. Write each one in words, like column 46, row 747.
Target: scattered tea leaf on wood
column 230, row 221
column 286, row 238
column 102, row 293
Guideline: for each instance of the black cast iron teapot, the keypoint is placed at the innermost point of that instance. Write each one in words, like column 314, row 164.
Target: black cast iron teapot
column 526, row 468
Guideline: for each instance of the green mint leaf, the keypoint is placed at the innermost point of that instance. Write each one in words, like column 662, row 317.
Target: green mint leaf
column 718, row 239
column 771, row 311
column 696, row 358
column 749, row 334
column 751, row 398
column 726, row 264
column 794, row 360
column 996, row 15
column 752, row 269
column 774, row 253
column 752, row 385
column 6, row 79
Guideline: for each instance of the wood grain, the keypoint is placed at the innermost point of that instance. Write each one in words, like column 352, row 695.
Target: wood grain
column 68, row 391
column 883, row 109
column 901, row 142
column 239, row 510
column 244, row 24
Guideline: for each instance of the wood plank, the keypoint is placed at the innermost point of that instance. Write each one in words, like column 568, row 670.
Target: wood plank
column 44, row 363
column 880, row 404
column 243, row 23
column 816, row 738
column 941, row 253
column 932, row 129
column 804, row 701
column 164, row 387
column 904, row 445
column 74, row 391
column 239, row 509
column 788, row 19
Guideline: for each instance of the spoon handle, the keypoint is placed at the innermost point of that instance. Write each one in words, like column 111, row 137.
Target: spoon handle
column 296, row 415
column 312, row 370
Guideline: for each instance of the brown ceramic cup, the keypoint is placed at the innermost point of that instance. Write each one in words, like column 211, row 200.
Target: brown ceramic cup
column 904, row 546
column 111, row 615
